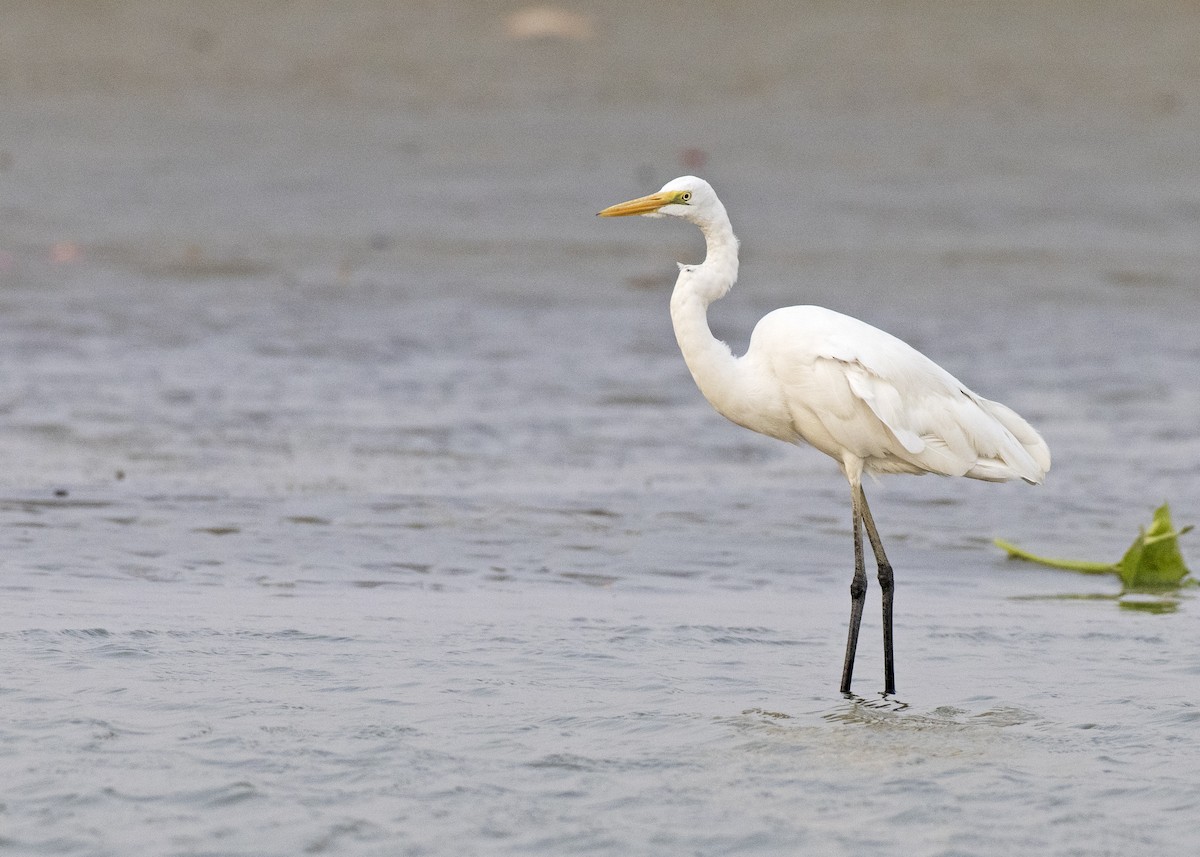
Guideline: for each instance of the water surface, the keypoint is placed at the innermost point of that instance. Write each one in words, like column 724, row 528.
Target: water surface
column 356, row 499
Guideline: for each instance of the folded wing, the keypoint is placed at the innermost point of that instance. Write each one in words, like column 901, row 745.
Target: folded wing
column 853, row 388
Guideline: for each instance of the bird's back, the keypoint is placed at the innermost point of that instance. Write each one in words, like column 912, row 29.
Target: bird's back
column 854, row 391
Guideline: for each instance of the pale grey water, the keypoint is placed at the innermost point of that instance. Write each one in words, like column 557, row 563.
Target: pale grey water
column 356, row 500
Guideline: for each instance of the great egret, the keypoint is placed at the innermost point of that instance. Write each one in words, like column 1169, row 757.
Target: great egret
column 870, row 401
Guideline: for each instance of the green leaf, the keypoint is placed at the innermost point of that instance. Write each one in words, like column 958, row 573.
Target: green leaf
column 1079, row 565
column 1153, row 562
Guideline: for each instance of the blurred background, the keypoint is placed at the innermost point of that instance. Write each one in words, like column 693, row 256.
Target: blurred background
column 206, row 206
column 355, row 498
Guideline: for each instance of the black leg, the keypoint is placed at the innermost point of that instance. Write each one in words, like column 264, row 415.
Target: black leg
column 858, row 590
column 886, row 585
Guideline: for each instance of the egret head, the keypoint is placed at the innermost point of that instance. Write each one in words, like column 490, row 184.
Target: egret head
column 687, row 196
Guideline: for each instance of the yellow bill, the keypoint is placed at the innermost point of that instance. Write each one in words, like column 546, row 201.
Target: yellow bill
column 647, row 204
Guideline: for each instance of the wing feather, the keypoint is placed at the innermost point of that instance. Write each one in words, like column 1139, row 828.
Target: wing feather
column 853, row 388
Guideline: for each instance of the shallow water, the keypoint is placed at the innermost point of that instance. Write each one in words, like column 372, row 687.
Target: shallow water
column 357, row 501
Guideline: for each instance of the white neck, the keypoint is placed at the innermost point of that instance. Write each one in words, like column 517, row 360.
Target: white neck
column 712, row 364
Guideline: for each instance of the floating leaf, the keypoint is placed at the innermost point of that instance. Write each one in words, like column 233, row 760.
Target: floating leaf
column 1080, row 565
column 1153, row 562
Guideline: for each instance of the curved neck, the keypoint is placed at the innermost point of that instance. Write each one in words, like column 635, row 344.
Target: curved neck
column 721, row 251
column 712, row 364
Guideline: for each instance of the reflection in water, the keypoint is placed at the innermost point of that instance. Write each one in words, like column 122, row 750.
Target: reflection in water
column 1138, row 601
column 392, row 522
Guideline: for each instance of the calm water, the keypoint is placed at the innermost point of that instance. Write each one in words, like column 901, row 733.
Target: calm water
column 356, row 499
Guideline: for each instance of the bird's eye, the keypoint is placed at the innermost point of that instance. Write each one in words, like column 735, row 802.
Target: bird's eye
column 686, row 196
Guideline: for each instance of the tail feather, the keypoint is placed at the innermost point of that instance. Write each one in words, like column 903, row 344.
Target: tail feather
column 1030, row 457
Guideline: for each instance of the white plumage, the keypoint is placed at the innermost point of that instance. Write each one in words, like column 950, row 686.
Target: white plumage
column 811, row 375
column 851, row 389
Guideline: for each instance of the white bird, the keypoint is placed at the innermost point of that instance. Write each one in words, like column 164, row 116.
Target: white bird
column 861, row 396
